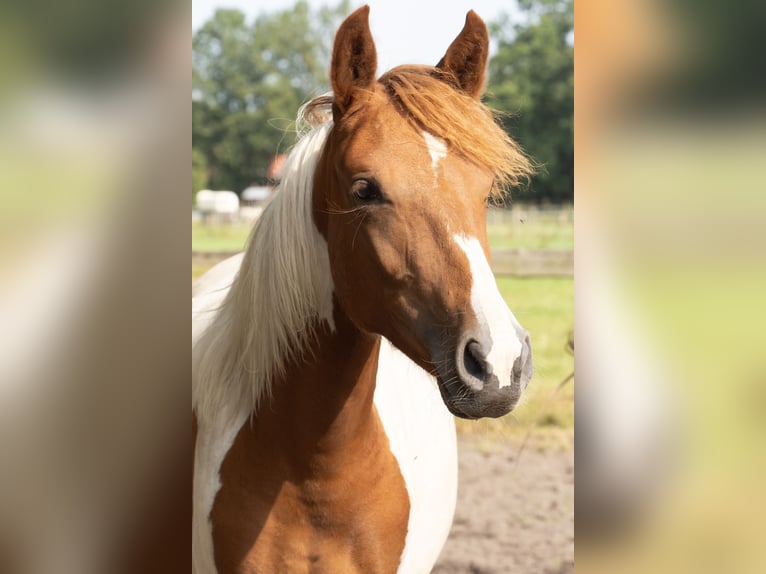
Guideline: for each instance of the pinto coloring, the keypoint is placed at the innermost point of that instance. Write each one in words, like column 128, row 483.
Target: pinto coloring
column 329, row 360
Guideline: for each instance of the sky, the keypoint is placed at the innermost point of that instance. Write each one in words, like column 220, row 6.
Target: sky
column 405, row 31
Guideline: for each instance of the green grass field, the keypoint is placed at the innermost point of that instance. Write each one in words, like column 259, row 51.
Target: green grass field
column 545, row 307
column 219, row 237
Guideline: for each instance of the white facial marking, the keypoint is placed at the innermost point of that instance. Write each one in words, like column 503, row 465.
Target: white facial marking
column 437, row 148
column 491, row 312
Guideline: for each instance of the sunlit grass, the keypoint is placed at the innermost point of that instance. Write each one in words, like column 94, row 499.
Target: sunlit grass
column 219, row 237
column 529, row 227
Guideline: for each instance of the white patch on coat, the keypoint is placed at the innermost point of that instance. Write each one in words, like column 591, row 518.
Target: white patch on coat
column 437, row 149
column 421, row 432
column 216, row 431
column 494, row 317
column 214, row 436
column 214, row 439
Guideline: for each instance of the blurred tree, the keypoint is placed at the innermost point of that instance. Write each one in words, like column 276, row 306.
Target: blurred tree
column 248, row 80
column 531, row 76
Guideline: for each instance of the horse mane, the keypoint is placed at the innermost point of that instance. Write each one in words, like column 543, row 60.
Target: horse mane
column 427, row 98
column 281, row 294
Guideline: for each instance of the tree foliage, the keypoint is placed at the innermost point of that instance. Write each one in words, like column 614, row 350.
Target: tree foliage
column 531, row 77
column 249, row 79
column 199, row 171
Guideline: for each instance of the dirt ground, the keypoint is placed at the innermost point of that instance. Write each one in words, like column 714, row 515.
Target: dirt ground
column 515, row 514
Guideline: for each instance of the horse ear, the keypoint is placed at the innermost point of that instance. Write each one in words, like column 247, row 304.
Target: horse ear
column 354, row 60
column 466, row 58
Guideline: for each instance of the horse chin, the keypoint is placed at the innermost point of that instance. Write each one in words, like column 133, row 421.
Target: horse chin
column 470, row 405
column 453, row 404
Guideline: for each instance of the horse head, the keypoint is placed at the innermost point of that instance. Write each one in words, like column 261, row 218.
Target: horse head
column 400, row 196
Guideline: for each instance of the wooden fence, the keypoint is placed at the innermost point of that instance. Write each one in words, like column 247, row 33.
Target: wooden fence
column 533, row 262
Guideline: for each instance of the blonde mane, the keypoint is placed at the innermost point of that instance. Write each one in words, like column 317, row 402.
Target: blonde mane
column 281, row 294
column 427, row 98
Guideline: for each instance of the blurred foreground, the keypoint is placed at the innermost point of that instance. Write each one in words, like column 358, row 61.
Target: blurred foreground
column 671, row 401
column 94, row 360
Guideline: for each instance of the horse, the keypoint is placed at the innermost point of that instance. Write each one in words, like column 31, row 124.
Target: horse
column 330, row 359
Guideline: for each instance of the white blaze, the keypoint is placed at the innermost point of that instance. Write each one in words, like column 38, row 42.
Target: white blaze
column 492, row 313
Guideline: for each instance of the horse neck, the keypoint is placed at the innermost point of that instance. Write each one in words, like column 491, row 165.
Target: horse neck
column 322, row 404
column 322, row 409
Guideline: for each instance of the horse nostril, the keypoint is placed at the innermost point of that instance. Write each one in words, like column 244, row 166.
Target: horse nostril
column 473, row 360
column 517, row 367
column 522, row 366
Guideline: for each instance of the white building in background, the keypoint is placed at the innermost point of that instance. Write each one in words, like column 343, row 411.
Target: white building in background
column 256, row 194
column 218, row 206
column 227, row 207
column 205, row 201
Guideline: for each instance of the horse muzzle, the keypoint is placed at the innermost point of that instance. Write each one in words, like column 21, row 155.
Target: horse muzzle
column 472, row 387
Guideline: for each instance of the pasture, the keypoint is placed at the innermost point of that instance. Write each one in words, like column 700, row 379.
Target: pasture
column 544, row 305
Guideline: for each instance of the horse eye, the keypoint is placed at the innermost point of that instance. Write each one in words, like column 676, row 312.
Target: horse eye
column 366, row 190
